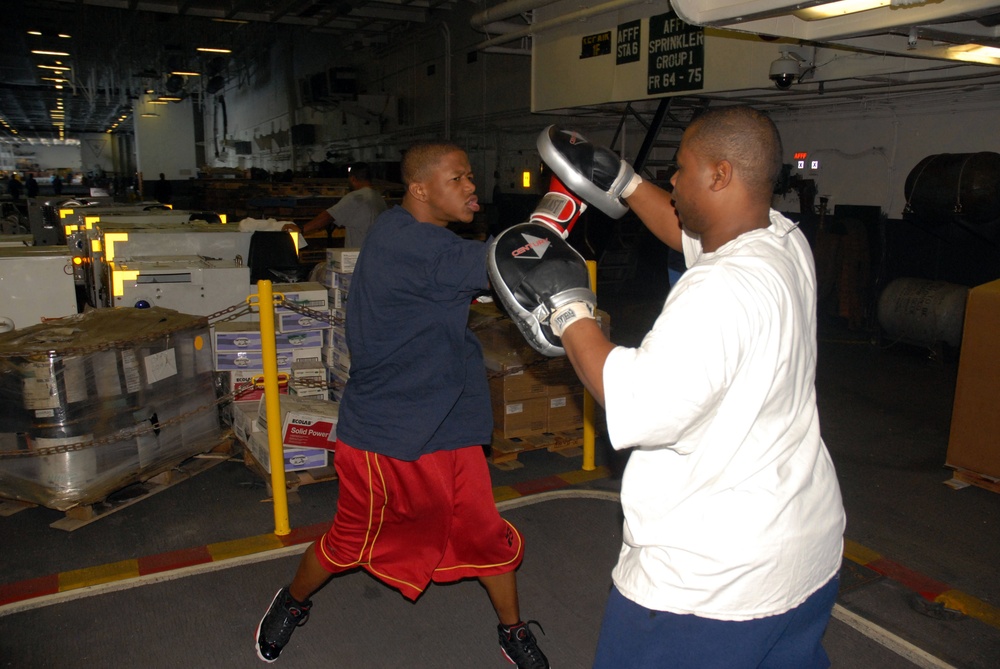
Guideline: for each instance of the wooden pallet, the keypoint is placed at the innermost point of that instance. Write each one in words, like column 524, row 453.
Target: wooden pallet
column 293, row 480
column 84, row 514
column 963, row 478
column 8, row 507
column 504, row 451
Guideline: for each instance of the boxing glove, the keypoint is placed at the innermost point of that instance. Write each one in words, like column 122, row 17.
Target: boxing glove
column 593, row 173
column 559, row 208
column 536, row 274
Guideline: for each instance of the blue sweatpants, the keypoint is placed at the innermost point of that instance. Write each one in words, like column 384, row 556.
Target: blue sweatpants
column 634, row 637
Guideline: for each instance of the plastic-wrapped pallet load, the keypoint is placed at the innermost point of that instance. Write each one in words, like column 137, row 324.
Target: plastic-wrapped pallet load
column 100, row 400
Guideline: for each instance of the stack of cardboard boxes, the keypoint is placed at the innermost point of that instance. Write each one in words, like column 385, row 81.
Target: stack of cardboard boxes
column 308, row 431
column 530, row 393
column 339, row 269
column 299, row 339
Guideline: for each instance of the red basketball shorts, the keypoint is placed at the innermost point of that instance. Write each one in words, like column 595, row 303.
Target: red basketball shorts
column 410, row 523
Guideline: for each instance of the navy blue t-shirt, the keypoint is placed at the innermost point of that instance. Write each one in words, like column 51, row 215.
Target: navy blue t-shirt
column 417, row 383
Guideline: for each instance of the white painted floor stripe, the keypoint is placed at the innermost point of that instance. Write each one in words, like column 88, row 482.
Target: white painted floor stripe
column 887, row 639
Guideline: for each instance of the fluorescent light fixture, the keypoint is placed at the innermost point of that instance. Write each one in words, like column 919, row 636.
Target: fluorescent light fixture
column 49, row 53
column 834, row 9
column 975, row 53
column 57, row 68
column 208, row 49
column 236, row 21
column 149, row 115
column 168, row 98
column 159, row 102
column 36, row 33
column 185, row 73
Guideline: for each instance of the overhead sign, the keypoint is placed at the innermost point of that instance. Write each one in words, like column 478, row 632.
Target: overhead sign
column 629, row 38
column 676, row 55
column 595, row 45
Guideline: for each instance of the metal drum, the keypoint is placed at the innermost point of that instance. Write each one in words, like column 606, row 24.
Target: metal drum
column 924, row 312
column 961, row 187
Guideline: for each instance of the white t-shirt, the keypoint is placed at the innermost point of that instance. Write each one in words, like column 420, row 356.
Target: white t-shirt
column 356, row 212
column 732, row 505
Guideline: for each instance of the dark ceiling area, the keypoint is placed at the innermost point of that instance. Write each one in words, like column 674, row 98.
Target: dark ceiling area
column 69, row 67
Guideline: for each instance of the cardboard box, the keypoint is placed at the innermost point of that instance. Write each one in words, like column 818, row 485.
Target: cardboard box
column 305, row 422
column 296, row 459
column 339, row 339
column 975, row 422
column 315, row 392
column 561, row 379
column 342, row 260
column 246, row 360
column 308, row 369
column 335, row 358
column 244, row 414
column 338, row 316
column 342, row 281
column 336, row 381
column 519, row 385
column 338, row 298
column 521, row 418
column 293, row 321
column 310, row 294
column 565, row 413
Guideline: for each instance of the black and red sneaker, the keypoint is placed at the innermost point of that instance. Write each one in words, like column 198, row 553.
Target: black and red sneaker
column 277, row 625
column 521, row 647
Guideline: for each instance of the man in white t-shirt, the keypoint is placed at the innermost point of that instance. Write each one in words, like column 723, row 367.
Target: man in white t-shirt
column 733, row 533
column 355, row 212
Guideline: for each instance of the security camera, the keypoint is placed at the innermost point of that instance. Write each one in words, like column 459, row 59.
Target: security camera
column 784, row 71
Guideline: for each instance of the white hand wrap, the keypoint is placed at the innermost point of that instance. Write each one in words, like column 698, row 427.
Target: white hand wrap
column 631, row 185
column 563, row 316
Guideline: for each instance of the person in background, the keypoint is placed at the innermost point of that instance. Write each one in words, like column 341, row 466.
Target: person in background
column 14, row 187
column 57, row 184
column 163, row 191
column 733, row 533
column 31, row 186
column 355, row 212
column 416, row 501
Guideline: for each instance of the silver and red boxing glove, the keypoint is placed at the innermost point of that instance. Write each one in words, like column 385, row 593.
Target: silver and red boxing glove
column 558, row 208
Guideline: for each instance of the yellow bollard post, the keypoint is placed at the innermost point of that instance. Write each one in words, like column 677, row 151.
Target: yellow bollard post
column 589, row 436
column 273, row 406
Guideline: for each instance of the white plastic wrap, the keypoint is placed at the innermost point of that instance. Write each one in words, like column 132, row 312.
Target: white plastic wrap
column 98, row 401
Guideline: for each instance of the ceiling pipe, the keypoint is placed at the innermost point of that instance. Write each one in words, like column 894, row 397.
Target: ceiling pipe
column 510, row 51
column 500, row 27
column 556, row 22
column 506, row 10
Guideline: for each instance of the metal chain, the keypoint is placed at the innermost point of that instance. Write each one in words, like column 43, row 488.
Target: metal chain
column 125, row 433
column 323, row 316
